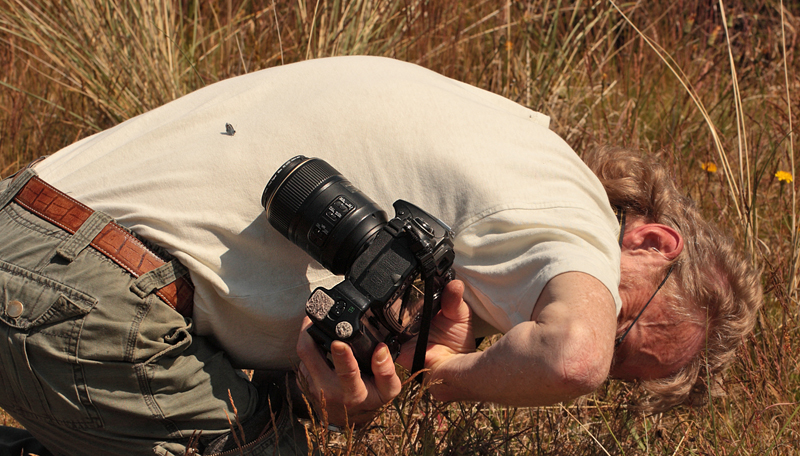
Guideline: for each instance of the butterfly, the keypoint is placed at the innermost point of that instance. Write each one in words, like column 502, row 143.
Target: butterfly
column 229, row 129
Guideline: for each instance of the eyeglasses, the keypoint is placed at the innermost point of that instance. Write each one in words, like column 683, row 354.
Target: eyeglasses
column 622, row 337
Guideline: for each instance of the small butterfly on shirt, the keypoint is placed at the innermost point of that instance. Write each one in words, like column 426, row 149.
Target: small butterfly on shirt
column 229, row 130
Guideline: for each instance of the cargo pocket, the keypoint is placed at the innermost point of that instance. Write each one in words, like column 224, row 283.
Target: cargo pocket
column 161, row 364
column 41, row 377
column 189, row 385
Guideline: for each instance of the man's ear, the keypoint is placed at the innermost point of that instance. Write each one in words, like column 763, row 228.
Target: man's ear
column 654, row 236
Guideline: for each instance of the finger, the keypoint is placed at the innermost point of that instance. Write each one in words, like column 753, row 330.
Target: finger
column 347, row 369
column 406, row 356
column 316, row 367
column 453, row 306
column 387, row 382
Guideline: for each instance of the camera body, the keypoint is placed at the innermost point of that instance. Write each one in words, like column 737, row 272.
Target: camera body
column 389, row 266
column 382, row 296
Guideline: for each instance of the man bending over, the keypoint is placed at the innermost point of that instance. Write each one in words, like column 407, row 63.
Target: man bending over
column 139, row 273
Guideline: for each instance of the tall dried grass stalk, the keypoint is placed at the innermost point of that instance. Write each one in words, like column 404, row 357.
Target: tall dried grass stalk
column 688, row 80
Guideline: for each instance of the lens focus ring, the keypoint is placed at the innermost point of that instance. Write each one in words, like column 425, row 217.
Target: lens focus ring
column 320, row 211
column 295, row 189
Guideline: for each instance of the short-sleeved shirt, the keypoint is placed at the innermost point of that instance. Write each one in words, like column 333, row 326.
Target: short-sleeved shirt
column 522, row 204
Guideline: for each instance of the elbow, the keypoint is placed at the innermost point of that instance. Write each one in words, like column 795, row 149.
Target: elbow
column 585, row 363
column 580, row 378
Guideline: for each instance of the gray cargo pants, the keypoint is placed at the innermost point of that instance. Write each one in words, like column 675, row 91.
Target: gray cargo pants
column 90, row 367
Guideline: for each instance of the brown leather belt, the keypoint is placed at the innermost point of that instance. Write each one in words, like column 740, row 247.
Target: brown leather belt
column 114, row 241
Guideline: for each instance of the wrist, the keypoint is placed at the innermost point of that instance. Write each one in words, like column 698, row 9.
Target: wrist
column 449, row 379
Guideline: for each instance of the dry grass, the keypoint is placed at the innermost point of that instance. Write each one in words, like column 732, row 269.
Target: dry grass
column 688, row 80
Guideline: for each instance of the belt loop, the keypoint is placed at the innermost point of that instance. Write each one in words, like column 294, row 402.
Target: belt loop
column 73, row 245
column 17, row 183
column 158, row 278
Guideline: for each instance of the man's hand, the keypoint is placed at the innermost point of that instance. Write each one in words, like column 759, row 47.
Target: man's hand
column 450, row 334
column 349, row 397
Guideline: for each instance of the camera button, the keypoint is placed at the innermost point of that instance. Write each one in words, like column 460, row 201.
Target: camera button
column 319, row 233
column 423, row 225
column 337, row 210
column 342, row 205
column 338, row 309
column 332, row 214
column 344, row 330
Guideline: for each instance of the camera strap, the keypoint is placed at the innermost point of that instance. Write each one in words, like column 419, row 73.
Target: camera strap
column 424, row 330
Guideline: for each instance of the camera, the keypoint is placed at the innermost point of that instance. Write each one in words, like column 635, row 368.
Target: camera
column 394, row 270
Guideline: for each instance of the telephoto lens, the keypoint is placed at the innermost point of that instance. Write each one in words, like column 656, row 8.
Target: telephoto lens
column 394, row 270
column 320, row 211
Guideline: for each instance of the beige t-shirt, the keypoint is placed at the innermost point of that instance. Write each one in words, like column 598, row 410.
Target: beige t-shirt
column 522, row 204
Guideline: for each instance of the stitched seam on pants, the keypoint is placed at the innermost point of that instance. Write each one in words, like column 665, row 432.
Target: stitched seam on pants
column 79, row 376
column 16, row 395
column 144, row 378
column 142, row 310
column 43, row 280
column 38, row 386
column 32, row 374
column 17, row 214
column 74, row 424
column 83, row 395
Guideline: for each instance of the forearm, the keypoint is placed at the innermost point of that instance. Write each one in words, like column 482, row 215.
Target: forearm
column 533, row 364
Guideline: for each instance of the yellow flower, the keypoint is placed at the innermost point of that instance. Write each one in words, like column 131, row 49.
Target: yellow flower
column 709, row 167
column 784, row 176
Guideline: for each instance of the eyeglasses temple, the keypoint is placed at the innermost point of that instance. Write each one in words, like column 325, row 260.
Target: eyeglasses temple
column 620, row 338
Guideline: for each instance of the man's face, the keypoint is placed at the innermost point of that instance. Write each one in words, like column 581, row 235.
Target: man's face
column 663, row 339
column 658, row 345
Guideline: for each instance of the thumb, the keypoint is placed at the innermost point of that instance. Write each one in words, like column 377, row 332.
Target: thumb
column 453, row 306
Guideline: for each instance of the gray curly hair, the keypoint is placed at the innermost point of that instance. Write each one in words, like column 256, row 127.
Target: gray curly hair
column 712, row 278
